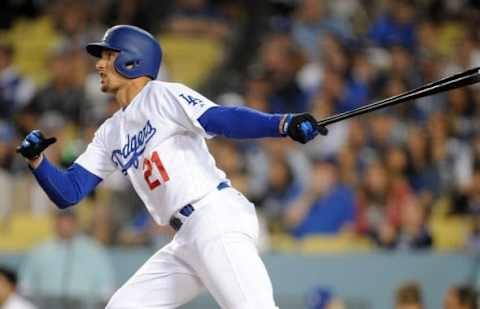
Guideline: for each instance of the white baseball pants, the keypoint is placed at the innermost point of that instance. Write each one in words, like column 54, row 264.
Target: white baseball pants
column 214, row 249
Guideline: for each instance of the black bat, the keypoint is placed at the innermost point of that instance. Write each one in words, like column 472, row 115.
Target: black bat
column 469, row 77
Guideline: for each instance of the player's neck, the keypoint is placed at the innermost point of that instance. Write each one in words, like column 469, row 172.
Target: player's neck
column 126, row 93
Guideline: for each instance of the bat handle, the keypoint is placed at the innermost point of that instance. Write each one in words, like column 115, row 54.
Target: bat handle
column 324, row 122
column 321, row 128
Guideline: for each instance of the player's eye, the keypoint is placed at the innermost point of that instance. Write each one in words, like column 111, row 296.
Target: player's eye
column 107, row 54
column 111, row 55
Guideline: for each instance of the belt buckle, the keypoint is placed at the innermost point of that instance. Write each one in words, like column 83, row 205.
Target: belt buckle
column 175, row 223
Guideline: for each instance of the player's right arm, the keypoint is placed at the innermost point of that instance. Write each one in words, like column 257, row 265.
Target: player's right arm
column 64, row 187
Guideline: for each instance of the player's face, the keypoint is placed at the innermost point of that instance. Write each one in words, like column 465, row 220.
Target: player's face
column 110, row 80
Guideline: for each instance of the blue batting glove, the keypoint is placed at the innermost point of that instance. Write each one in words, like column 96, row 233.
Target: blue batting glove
column 302, row 127
column 34, row 144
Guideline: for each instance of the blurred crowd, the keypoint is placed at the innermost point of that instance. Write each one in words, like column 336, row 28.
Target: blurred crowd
column 409, row 295
column 402, row 178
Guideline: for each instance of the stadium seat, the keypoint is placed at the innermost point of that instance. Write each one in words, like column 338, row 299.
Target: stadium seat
column 190, row 60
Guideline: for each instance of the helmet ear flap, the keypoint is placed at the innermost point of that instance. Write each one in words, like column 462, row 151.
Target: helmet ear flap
column 127, row 65
column 132, row 64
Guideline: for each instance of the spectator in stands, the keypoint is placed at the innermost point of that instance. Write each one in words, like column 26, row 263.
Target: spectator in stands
column 396, row 26
column 422, row 174
column 296, row 160
column 409, row 296
column 357, row 145
column 413, row 233
column 335, row 59
column 396, row 162
column 65, row 93
column 257, row 88
column 311, row 22
column 461, row 108
column 332, row 91
column 461, row 297
column 445, row 152
column 399, row 75
column 328, row 207
column 360, row 80
column 67, row 270
column 381, row 199
column 15, row 89
column 384, row 131
column 426, row 31
column 284, row 188
column 282, row 59
column 9, row 298
column 402, row 66
column 345, row 74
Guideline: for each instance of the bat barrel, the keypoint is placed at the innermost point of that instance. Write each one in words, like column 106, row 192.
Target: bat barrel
column 466, row 78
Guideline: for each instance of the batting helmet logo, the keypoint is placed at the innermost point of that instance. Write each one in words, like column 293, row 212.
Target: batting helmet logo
column 139, row 52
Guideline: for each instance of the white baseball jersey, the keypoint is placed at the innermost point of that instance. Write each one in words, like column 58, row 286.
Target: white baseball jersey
column 158, row 143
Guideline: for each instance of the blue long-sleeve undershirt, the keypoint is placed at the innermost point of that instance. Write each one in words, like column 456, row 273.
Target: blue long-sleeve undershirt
column 240, row 122
column 65, row 188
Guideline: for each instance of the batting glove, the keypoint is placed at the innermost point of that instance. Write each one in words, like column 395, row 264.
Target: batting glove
column 302, row 127
column 34, row 144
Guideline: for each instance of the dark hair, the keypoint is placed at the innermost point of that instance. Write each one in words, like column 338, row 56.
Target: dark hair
column 9, row 274
column 408, row 293
column 466, row 296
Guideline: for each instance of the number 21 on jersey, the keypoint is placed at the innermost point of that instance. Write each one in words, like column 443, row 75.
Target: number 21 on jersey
column 148, row 170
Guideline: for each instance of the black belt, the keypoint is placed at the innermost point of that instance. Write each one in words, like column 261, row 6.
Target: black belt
column 176, row 221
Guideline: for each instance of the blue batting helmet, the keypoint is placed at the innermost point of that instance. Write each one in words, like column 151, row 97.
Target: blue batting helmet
column 139, row 52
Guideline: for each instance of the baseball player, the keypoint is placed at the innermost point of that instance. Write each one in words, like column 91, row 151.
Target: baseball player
column 157, row 139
